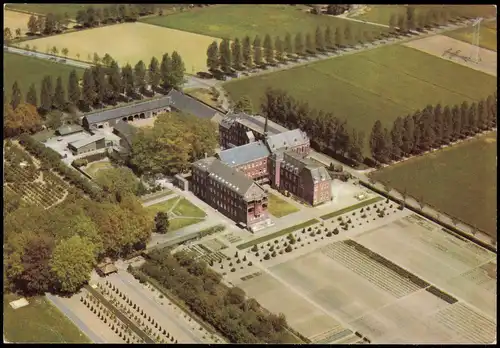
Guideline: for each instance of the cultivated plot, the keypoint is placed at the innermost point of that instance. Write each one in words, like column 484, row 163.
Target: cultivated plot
column 487, row 35
column 237, row 21
column 459, row 180
column 439, row 45
column 15, row 20
column 131, row 42
column 379, row 84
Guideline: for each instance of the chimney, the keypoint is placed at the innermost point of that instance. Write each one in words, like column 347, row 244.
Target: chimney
column 265, row 127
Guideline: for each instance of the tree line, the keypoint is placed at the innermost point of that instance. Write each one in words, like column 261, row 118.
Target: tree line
column 431, row 128
column 246, row 54
column 101, row 85
column 116, row 13
column 239, row 319
column 324, row 129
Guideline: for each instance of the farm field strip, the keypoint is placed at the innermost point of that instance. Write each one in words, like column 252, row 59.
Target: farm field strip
column 115, row 40
column 15, row 20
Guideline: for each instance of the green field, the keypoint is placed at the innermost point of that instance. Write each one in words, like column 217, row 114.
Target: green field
column 38, row 322
column 487, row 35
column 379, row 84
column 382, row 13
column 351, row 208
column 237, row 21
column 27, row 70
column 187, row 213
column 186, row 208
column 279, row 207
column 460, row 180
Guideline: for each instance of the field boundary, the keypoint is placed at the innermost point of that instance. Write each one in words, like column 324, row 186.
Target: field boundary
column 351, row 208
column 277, row 234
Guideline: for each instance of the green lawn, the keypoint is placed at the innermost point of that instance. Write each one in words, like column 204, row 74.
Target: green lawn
column 27, row 70
column 460, row 180
column 164, row 206
column 379, row 84
column 176, row 224
column 277, row 234
column 188, row 209
column 382, row 13
column 202, row 94
column 487, row 35
column 95, row 167
column 351, row 208
column 237, row 21
column 279, row 207
column 156, row 195
column 39, row 322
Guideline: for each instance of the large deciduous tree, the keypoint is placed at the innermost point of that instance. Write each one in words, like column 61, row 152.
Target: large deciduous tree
column 244, row 104
column 268, row 49
column 166, row 71
column 178, row 71
column 257, row 51
column 31, row 97
column 128, row 80
column 247, row 52
column 237, row 55
column 119, row 181
column 154, row 75
column 59, row 95
column 140, row 76
column 16, row 97
column 72, row 262
column 397, row 138
column 225, row 56
column 46, row 94
column 88, row 88
column 408, row 135
column 288, row 47
column 162, row 222
column 376, row 140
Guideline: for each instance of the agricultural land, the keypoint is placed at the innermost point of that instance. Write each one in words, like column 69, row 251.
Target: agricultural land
column 487, row 35
column 148, row 41
column 379, row 84
column 38, row 322
column 237, row 21
column 27, row 70
column 460, row 180
column 382, row 13
column 15, row 20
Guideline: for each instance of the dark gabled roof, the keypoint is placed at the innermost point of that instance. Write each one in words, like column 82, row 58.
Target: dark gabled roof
column 244, row 154
column 125, row 129
column 69, row 129
column 127, row 110
column 254, row 122
column 189, row 105
column 230, row 178
column 292, row 160
column 286, row 140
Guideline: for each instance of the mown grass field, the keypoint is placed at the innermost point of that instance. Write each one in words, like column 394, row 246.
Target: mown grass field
column 460, row 180
column 38, row 322
column 187, row 213
column 131, row 42
column 43, row 9
column 15, row 20
column 379, row 84
column 487, row 35
column 237, row 21
column 382, row 13
column 27, row 70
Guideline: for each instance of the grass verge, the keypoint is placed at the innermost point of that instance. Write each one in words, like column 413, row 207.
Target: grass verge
column 351, row 208
column 277, row 234
column 279, row 207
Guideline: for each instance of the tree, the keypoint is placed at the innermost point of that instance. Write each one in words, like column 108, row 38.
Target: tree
column 102, row 90
column 88, row 88
column 225, row 56
column 18, row 32
column 348, row 33
column 213, row 56
column 31, row 97
column 128, row 80
column 329, row 38
column 408, row 135
column 458, row 127
column 392, row 22
column 118, row 181
column 46, row 94
column 162, row 222
column 59, row 95
column 7, row 34
column 320, row 40
column 428, row 136
column 244, row 104
column 54, row 119
column 355, row 150
column 33, row 25
column 376, row 140
column 54, row 50
column 482, row 115
column 16, row 97
column 339, row 38
column 154, row 75
column 299, row 44
column 310, row 46
column 447, row 125
column 421, row 21
column 74, row 92
column 280, row 53
column 288, row 46
column 410, row 16
column 397, row 138
column 473, row 118
column 237, row 56
column 386, row 147
column 247, row 52
column 268, row 49
column 257, row 51
column 24, row 119
column 107, row 60
column 96, row 59
column 72, row 262
column 178, row 71
column 402, row 24
column 140, row 76
column 65, row 52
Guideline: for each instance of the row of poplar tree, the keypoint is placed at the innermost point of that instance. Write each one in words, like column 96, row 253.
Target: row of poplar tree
column 431, row 128
column 240, row 54
column 104, row 84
